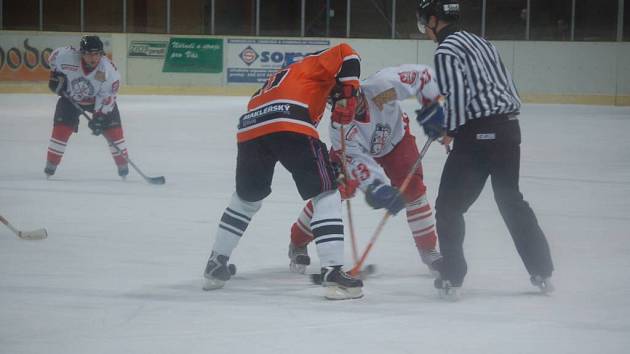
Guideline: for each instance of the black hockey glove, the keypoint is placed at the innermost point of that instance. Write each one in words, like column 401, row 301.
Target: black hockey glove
column 58, row 82
column 99, row 123
column 380, row 195
column 431, row 118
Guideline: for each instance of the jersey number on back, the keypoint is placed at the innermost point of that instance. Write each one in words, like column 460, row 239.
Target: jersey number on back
column 273, row 81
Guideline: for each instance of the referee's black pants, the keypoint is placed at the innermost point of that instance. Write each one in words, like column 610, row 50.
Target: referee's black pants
column 485, row 147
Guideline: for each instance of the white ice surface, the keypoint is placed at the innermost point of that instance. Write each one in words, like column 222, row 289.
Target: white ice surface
column 121, row 270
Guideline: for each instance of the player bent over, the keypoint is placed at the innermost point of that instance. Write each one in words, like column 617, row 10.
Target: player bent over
column 379, row 139
column 280, row 126
column 90, row 79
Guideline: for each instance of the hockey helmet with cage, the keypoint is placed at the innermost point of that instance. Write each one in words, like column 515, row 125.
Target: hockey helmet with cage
column 444, row 10
column 91, row 44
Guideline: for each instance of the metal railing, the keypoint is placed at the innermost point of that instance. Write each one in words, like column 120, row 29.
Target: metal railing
column 303, row 19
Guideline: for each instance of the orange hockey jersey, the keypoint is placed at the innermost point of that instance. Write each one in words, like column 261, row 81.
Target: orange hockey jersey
column 294, row 98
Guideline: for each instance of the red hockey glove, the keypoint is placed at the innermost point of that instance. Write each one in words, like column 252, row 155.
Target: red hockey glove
column 344, row 100
column 344, row 110
column 348, row 188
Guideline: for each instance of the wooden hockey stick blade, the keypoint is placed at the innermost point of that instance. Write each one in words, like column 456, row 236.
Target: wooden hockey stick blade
column 38, row 234
column 370, row 269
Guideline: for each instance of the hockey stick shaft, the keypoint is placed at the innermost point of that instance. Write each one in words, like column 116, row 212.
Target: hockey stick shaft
column 152, row 180
column 7, row 224
column 357, row 267
column 344, row 166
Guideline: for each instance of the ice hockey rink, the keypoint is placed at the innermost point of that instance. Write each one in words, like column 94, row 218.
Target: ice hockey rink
column 121, row 270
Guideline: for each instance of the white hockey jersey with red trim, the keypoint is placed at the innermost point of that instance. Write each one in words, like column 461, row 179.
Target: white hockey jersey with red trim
column 98, row 86
column 386, row 122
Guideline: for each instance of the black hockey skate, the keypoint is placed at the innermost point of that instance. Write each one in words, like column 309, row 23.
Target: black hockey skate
column 123, row 171
column 340, row 285
column 544, row 284
column 299, row 259
column 217, row 272
column 49, row 170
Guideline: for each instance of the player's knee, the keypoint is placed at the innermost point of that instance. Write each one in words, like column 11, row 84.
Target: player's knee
column 241, row 205
column 415, row 190
column 329, row 201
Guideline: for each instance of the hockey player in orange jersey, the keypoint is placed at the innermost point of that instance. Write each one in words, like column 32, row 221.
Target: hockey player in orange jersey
column 281, row 126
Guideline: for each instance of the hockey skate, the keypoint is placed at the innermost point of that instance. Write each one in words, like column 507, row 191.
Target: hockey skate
column 544, row 284
column 299, row 259
column 431, row 258
column 49, row 170
column 123, row 171
column 217, row 272
column 339, row 285
column 446, row 290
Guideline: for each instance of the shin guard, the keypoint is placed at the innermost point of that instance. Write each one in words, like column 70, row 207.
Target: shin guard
column 327, row 227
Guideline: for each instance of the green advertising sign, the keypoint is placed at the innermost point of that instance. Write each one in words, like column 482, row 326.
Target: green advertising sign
column 194, row 55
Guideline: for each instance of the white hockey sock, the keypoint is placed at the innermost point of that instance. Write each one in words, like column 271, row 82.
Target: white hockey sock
column 421, row 223
column 327, row 228
column 233, row 224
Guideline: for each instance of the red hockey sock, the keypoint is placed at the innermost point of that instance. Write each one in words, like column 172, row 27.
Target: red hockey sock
column 58, row 141
column 301, row 234
column 115, row 135
column 420, row 220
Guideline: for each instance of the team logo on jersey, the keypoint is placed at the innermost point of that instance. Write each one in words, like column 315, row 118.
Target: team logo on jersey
column 99, row 76
column 408, row 77
column 380, row 137
column 248, row 55
column 82, row 88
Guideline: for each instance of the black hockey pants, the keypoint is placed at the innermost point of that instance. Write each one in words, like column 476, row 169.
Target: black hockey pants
column 485, row 147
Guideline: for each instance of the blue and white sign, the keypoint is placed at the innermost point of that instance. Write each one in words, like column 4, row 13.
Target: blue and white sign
column 253, row 60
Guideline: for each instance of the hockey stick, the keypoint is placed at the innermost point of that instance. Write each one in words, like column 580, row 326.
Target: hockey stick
column 38, row 234
column 344, row 166
column 151, row 180
column 355, row 271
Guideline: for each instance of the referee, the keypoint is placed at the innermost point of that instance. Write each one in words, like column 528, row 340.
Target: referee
column 481, row 119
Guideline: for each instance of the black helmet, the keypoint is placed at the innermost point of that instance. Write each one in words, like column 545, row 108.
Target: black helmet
column 445, row 10
column 91, row 44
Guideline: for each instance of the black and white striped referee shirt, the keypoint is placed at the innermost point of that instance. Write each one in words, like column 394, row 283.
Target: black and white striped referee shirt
column 472, row 78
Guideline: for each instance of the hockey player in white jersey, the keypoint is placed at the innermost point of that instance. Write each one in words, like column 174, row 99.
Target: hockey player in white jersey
column 380, row 149
column 89, row 78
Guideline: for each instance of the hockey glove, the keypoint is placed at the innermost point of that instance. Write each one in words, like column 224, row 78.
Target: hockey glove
column 380, row 195
column 348, row 188
column 58, row 82
column 99, row 123
column 344, row 100
column 431, row 118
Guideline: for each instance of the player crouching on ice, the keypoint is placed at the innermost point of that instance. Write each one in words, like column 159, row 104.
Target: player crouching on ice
column 90, row 79
column 379, row 139
column 280, row 126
